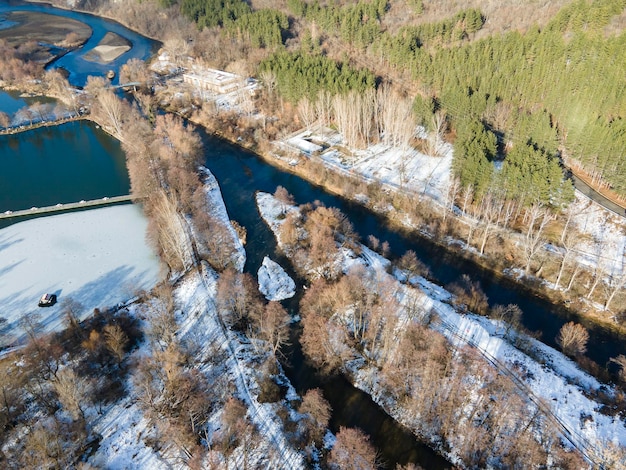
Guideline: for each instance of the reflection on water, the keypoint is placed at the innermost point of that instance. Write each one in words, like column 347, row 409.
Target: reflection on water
column 11, row 101
column 79, row 68
column 60, row 164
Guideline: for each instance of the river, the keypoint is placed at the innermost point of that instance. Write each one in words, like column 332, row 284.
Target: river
column 60, row 164
column 241, row 173
column 41, row 166
column 73, row 62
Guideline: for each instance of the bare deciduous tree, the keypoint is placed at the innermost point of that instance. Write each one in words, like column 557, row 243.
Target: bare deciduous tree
column 112, row 111
column 73, row 392
column 573, row 338
column 324, row 108
column 136, row 70
column 167, row 232
column 490, row 209
column 318, row 412
column 307, row 112
column 116, row 341
column 282, row 195
column 511, row 314
column 352, row 451
column 538, row 219
column 569, row 242
column 238, row 298
column 72, row 310
column 394, row 117
column 413, row 266
column 272, row 325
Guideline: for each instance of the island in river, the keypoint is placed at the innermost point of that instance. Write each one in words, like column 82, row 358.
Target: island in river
column 43, row 37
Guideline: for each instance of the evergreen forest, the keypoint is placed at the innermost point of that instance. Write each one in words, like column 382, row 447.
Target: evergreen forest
column 521, row 106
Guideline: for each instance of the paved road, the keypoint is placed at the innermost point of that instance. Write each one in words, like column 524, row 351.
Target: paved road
column 597, row 197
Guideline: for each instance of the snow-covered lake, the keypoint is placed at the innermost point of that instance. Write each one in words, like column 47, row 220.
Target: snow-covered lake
column 97, row 257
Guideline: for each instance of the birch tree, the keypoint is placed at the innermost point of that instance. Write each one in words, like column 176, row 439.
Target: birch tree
column 394, row 118
column 324, row 108
column 307, row 112
column 615, row 284
column 569, row 242
column 538, row 219
column 490, row 209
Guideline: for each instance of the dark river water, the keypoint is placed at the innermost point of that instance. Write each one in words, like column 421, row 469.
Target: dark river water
column 60, row 164
column 241, row 173
column 78, row 161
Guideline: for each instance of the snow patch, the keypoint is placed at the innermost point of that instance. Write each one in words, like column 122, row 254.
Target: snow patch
column 217, row 210
column 274, row 282
column 97, row 257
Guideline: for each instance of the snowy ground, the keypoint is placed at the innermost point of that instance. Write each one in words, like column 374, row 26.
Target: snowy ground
column 98, row 257
column 419, row 173
column 607, row 235
column 274, row 282
column 557, row 383
column 223, row 356
column 217, row 211
column 394, row 167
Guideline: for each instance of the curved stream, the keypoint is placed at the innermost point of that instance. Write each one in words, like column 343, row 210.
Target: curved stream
column 241, row 174
column 73, row 62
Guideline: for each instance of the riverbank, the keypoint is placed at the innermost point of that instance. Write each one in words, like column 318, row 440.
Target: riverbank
column 351, row 187
column 368, row 355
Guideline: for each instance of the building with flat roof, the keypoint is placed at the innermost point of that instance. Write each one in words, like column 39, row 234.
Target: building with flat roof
column 213, row 80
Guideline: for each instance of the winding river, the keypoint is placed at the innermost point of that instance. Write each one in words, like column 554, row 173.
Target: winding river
column 73, row 62
column 42, row 177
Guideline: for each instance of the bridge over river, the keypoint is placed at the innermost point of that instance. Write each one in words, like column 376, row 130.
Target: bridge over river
column 105, row 201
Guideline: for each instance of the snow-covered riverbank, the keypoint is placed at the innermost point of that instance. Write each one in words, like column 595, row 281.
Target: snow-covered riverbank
column 98, row 258
column 557, row 388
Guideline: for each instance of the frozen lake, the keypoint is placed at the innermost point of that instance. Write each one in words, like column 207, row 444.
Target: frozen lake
column 98, row 257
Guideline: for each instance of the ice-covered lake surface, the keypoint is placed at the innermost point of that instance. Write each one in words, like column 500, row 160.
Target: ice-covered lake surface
column 97, row 257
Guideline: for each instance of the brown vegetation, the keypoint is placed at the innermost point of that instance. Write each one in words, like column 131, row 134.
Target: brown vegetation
column 573, row 339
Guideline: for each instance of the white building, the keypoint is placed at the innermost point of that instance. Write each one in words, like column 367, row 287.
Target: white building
column 216, row 81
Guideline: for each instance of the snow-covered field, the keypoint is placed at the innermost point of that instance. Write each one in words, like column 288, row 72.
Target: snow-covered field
column 557, row 384
column 98, row 257
column 604, row 233
column 394, row 167
column 607, row 235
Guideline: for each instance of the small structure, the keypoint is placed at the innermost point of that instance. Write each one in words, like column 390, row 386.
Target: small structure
column 48, row 300
column 305, row 146
column 216, row 81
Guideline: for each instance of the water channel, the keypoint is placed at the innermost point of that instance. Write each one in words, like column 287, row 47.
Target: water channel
column 60, row 164
column 241, row 173
column 78, row 161
column 73, row 62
